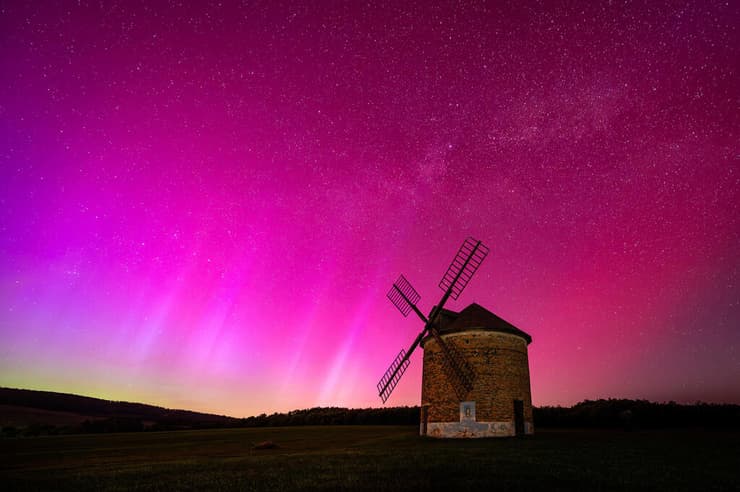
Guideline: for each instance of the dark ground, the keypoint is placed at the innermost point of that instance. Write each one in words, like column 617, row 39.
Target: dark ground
column 372, row 458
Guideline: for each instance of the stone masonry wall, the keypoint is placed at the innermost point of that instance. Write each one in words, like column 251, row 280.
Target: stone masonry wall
column 501, row 366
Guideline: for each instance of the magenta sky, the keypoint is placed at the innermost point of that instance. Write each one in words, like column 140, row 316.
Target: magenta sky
column 203, row 207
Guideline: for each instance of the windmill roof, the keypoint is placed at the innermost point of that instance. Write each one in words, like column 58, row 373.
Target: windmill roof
column 476, row 317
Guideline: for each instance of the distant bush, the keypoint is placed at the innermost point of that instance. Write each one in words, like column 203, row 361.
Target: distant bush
column 113, row 424
column 9, row 431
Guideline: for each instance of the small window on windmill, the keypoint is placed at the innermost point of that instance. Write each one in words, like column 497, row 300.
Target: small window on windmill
column 467, row 411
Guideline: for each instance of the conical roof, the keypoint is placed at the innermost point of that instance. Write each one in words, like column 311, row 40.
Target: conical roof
column 476, row 317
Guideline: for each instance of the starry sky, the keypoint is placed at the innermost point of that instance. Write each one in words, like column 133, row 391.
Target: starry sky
column 203, row 206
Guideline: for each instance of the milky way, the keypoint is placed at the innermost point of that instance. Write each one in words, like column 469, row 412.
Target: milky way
column 204, row 206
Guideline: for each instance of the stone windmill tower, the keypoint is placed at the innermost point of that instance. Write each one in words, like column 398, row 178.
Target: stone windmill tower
column 476, row 370
column 500, row 403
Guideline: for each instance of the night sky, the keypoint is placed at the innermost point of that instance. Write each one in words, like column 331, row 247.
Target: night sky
column 203, row 207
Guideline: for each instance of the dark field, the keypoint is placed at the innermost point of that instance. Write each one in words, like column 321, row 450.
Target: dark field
column 371, row 458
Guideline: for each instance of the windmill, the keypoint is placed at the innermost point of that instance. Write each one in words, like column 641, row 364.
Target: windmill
column 403, row 295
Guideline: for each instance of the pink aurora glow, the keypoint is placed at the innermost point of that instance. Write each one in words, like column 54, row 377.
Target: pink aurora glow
column 203, row 207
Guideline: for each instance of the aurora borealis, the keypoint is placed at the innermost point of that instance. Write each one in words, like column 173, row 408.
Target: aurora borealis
column 204, row 206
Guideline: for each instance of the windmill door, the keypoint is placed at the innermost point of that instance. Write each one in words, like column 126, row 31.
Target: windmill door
column 519, row 417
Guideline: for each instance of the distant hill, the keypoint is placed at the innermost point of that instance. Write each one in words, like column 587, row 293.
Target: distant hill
column 21, row 408
column 32, row 413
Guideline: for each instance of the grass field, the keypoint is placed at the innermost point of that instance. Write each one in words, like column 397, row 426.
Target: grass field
column 371, row 458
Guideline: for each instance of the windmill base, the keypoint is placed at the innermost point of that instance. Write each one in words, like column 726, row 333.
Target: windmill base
column 473, row 429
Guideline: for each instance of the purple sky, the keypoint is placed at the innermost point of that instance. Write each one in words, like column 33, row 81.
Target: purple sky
column 203, row 207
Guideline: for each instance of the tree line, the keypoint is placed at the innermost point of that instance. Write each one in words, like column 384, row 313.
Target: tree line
column 639, row 414
column 102, row 416
column 337, row 416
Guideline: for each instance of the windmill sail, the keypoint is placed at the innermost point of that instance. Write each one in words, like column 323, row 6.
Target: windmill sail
column 463, row 267
column 403, row 296
column 459, row 373
column 392, row 376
